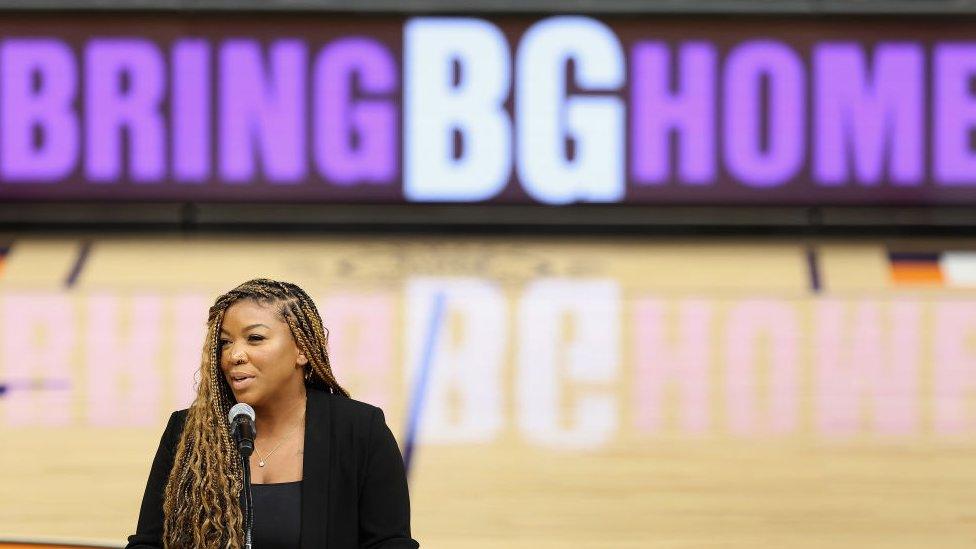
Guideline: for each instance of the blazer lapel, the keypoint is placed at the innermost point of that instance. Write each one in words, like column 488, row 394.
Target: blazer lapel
column 316, row 462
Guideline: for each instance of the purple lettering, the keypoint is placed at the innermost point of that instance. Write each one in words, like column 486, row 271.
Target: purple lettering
column 748, row 66
column 191, row 110
column 371, row 157
column 689, row 112
column 876, row 122
column 955, row 114
column 264, row 108
column 22, row 110
column 124, row 85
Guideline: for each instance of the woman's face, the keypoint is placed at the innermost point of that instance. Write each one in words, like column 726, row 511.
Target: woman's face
column 258, row 355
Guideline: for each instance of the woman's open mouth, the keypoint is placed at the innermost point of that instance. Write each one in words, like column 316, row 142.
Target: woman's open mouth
column 241, row 381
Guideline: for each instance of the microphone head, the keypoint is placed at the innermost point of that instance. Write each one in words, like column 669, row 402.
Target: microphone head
column 238, row 409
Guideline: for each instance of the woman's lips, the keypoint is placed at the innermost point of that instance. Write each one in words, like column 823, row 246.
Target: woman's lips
column 241, row 382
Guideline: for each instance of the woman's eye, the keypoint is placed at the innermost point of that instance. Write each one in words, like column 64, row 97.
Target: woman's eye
column 223, row 342
column 255, row 338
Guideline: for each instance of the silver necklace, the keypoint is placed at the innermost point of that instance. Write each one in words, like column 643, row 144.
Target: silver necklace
column 262, row 461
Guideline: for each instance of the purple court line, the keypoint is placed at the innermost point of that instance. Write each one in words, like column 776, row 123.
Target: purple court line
column 813, row 265
column 920, row 257
column 83, row 252
column 32, row 385
column 420, row 383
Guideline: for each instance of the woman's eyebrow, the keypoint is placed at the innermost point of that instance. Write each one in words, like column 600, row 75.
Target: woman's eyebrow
column 224, row 330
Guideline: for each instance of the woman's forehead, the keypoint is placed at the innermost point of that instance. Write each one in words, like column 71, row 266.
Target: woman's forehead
column 247, row 312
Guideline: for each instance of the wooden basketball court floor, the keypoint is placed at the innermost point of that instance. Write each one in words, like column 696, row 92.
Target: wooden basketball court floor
column 557, row 392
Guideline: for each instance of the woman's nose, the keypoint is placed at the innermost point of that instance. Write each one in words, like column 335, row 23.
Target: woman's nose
column 238, row 357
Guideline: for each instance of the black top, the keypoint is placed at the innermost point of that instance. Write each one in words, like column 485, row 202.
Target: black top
column 277, row 515
column 354, row 488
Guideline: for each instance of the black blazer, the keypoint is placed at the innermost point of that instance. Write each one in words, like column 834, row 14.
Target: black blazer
column 354, row 489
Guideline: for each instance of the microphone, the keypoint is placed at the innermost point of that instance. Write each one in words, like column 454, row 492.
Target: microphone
column 241, row 418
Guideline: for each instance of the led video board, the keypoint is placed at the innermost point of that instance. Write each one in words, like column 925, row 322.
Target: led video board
column 508, row 110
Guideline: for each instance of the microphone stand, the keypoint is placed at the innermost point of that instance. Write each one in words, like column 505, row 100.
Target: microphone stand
column 242, row 429
column 248, row 503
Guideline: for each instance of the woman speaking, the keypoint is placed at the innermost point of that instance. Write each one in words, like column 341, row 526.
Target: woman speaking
column 325, row 471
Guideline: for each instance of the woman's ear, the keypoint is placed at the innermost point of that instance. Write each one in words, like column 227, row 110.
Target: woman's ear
column 302, row 360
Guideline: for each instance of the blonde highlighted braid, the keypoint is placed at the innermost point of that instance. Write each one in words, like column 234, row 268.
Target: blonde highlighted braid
column 201, row 508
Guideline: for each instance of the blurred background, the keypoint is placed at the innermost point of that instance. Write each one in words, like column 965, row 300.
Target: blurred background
column 620, row 274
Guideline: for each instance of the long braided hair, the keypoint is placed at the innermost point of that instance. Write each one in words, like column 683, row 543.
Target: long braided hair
column 200, row 504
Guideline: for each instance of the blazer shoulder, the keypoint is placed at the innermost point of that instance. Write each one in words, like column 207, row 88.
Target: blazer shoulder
column 352, row 408
column 174, row 428
column 178, row 418
column 350, row 414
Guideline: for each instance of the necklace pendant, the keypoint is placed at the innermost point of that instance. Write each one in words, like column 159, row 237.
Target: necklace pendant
column 260, row 464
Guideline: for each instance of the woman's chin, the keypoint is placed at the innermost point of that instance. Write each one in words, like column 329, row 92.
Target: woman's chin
column 246, row 397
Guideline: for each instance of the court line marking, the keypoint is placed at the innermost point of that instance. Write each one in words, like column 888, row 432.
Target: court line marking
column 79, row 264
column 420, row 382
column 813, row 265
